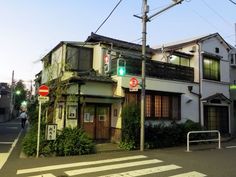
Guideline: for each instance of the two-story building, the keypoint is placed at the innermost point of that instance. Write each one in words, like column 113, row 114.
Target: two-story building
column 209, row 56
column 232, row 57
column 84, row 94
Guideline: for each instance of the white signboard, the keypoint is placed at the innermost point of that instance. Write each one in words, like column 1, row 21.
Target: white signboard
column 43, row 99
column 51, row 131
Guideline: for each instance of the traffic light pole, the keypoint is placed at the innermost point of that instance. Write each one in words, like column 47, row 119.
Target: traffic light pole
column 145, row 19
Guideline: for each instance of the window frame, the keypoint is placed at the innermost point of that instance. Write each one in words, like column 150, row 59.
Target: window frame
column 180, row 60
column 131, row 97
column 211, row 75
column 79, row 61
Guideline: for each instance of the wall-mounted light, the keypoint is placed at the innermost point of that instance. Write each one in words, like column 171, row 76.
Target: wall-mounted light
column 190, row 89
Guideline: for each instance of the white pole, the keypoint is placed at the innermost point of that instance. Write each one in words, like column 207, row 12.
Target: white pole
column 39, row 122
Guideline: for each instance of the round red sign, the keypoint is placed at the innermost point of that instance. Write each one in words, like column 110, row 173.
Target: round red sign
column 43, row 90
column 133, row 82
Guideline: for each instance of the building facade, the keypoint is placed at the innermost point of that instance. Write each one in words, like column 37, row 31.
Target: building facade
column 209, row 56
column 184, row 81
column 5, row 99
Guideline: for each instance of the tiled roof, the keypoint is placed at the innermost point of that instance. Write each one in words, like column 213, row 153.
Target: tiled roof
column 91, row 76
column 219, row 96
column 115, row 42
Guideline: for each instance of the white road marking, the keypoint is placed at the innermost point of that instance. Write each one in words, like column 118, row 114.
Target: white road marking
column 12, row 128
column 6, row 142
column 146, row 171
column 4, row 156
column 190, row 174
column 230, row 147
column 111, row 167
column 44, row 175
column 78, row 164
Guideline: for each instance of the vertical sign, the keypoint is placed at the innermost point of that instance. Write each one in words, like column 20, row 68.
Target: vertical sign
column 51, row 131
column 43, row 91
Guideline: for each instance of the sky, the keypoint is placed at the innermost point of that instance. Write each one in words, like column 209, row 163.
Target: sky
column 31, row 28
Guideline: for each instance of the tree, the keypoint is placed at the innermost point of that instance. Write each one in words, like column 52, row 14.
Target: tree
column 20, row 95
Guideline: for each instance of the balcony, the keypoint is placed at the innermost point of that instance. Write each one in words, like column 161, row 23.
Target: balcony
column 156, row 69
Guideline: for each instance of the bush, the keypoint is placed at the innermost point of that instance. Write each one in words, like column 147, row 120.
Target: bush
column 130, row 127
column 156, row 136
column 160, row 136
column 73, row 141
column 69, row 142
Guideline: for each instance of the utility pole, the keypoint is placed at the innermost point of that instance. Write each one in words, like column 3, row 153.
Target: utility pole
column 12, row 97
column 145, row 19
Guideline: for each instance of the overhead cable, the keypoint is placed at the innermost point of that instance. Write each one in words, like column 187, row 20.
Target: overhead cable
column 109, row 15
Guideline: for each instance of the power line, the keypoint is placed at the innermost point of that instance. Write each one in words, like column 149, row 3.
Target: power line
column 232, row 2
column 108, row 15
column 214, row 11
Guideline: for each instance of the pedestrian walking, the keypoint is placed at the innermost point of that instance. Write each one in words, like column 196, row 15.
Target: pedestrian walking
column 23, row 116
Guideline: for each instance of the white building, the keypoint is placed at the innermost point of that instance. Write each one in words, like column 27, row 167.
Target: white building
column 209, row 56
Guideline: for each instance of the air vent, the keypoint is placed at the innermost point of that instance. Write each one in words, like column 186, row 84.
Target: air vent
column 193, row 49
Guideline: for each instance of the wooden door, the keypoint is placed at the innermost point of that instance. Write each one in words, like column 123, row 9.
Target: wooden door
column 88, row 120
column 102, row 122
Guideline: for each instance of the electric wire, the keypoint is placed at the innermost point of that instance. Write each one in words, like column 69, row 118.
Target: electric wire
column 108, row 16
column 232, row 2
column 220, row 16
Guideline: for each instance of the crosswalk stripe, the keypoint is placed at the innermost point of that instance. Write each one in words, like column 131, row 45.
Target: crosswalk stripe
column 110, row 167
column 78, row 164
column 44, row 175
column 146, row 171
column 190, row 174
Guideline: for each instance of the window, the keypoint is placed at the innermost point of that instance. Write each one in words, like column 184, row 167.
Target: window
column 211, row 69
column 164, row 106
column 233, row 59
column 79, row 58
column 148, row 105
column 47, row 61
column 174, row 59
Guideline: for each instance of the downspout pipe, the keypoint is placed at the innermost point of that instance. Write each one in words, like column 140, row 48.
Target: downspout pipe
column 200, row 82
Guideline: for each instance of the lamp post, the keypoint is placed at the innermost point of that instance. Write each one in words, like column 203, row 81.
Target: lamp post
column 145, row 19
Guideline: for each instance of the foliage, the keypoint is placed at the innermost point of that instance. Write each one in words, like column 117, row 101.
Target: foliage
column 130, row 127
column 156, row 136
column 73, row 141
column 20, row 94
column 30, row 142
column 159, row 136
column 69, row 142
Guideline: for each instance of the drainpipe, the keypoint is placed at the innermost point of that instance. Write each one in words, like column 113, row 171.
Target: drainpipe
column 200, row 82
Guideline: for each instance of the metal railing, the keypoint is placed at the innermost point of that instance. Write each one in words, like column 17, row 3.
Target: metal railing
column 204, row 140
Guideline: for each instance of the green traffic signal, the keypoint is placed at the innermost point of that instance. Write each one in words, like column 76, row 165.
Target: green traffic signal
column 121, row 71
column 121, row 67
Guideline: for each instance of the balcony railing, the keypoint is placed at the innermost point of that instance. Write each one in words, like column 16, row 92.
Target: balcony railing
column 156, row 69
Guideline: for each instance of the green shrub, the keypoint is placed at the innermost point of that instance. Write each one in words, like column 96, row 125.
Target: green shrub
column 73, row 141
column 130, row 127
column 159, row 136
column 69, row 142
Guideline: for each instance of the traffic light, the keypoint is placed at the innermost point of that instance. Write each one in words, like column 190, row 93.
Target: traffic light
column 121, row 67
column 107, row 63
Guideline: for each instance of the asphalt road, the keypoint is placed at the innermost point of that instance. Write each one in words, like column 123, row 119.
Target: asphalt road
column 204, row 160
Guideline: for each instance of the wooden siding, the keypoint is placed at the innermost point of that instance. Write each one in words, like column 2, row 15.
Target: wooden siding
column 156, row 69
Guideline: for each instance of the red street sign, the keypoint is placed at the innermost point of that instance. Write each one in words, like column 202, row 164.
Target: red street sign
column 133, row 82
column 43, row 90
column 106, row 59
